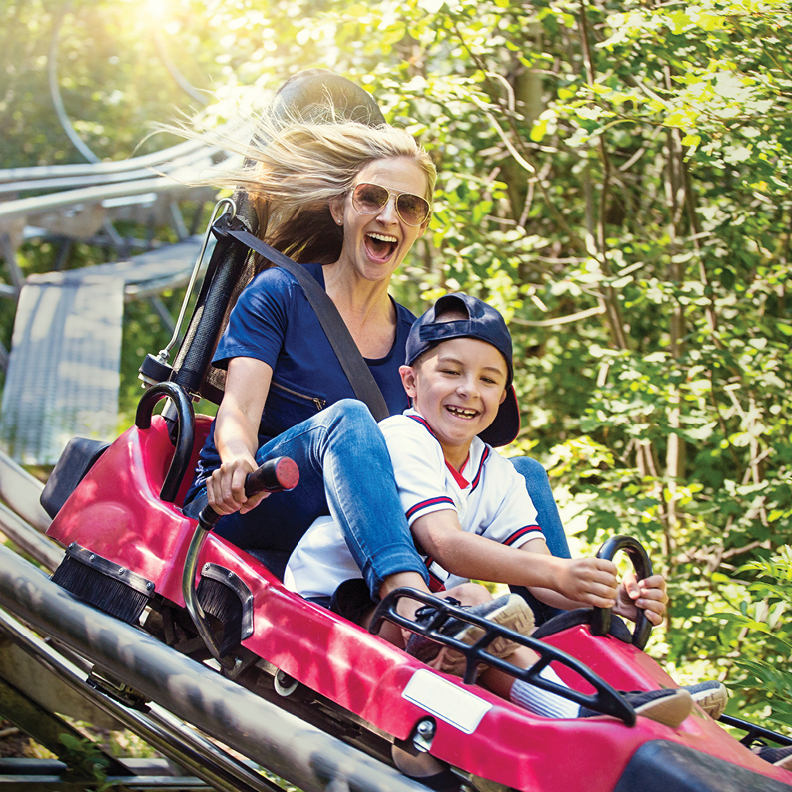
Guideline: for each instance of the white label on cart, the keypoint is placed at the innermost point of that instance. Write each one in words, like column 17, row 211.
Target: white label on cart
column 447, row 701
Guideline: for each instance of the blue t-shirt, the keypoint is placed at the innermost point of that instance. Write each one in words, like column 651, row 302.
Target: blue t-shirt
column 274, row 322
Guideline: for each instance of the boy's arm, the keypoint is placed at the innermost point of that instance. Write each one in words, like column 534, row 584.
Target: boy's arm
column 577, row 582
column 552, row 596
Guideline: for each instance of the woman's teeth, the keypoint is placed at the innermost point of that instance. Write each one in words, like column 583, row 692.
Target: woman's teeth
column 383, row 237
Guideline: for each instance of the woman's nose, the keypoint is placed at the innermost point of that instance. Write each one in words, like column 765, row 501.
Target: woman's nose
column 388, row 212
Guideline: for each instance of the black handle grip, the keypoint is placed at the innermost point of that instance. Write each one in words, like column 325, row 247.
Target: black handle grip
column 275, row 475
column 600, row 624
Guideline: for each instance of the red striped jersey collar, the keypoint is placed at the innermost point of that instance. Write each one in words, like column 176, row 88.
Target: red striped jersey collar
column 457, row 474
column 458, row 477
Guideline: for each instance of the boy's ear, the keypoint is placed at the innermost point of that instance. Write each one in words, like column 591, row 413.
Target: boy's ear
column 503, row 396
column 407, row 374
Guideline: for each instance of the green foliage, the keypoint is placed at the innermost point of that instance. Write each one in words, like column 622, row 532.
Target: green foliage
column 761, row 639
column 85, row 760
column 615, row 177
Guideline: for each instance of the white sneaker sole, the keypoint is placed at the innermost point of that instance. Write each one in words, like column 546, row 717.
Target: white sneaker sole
column 669, row 710
column 713, row 702
column 514, row 614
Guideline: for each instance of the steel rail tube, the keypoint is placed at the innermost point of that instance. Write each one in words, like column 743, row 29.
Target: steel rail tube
column 35, row 544
column 296, row 751
column 48, row 729
column 22, row 493
column 173, row 70
column 57, row 99
column 163, row 156
column 92, row 195
column 189, row 749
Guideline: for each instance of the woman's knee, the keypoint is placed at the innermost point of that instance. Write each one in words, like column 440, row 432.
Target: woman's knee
column 530, row 469
column 351, row 429
column 537, row 483
column 349, row 411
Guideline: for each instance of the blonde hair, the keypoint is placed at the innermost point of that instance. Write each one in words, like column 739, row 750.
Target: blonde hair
column 294, row 168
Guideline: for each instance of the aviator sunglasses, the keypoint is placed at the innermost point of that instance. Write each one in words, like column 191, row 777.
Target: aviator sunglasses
column 369, row 198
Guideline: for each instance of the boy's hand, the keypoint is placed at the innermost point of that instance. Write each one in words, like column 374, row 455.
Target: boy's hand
column 588, row 581
column 649, row 594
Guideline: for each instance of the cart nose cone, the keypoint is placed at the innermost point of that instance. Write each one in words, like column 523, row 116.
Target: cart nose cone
column 660, row 766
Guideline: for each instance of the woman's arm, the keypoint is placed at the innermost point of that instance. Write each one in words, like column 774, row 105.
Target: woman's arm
column 236, row 434
column 570, row 583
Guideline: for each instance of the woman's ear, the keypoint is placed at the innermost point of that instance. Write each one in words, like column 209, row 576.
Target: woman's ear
column 336, row 206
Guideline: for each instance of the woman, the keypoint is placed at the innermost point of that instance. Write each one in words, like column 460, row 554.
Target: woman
column 351, row 201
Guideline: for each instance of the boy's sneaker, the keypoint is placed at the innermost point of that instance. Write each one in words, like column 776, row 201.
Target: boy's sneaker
column 510, row 611
column 711, row 696
column 666, row 706
column 780, row 757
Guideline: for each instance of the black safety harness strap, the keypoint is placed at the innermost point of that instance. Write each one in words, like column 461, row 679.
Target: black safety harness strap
column 349, row 357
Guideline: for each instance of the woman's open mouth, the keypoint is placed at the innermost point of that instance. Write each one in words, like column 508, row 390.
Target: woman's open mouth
column 380, row 247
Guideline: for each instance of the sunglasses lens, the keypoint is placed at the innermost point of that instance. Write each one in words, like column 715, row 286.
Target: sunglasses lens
column 412, row 208
column 369, row 198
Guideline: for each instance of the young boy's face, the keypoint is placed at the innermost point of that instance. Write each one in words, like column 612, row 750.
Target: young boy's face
column 457, row 387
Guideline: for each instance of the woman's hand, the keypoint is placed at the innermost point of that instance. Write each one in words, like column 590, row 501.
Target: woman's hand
column 649, row 594
column 225, row 488
column 587, row 581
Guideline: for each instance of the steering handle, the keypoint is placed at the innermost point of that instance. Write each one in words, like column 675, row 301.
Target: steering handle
column 185, row 432
column 600, row 624
column 275, row 475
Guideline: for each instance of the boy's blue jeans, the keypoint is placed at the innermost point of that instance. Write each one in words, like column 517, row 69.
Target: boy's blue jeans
column 345, row 471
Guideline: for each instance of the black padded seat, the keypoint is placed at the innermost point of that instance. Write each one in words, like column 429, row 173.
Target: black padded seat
column 567, row 619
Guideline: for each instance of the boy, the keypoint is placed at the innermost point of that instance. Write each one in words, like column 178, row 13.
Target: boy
column 468, row 509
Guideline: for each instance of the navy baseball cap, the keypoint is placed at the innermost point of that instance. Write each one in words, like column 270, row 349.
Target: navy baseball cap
column 485, row 324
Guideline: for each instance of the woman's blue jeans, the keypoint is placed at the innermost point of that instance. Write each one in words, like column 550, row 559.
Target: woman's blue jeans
column 538, row 486
column 345, row 471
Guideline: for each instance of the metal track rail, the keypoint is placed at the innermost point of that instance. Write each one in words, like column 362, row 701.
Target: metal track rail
column 189, row 749
column 49, row 775
column 157, row 159
column 292, row 749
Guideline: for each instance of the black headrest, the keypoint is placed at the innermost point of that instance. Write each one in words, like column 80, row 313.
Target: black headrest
column 309, row 93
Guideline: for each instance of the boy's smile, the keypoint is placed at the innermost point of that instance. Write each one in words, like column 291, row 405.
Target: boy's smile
column 457, row 387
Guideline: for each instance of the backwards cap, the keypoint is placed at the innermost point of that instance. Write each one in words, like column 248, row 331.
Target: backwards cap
column 485, row 324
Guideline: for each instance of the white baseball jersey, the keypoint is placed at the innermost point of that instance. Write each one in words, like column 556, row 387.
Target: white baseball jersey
column 488, row 495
